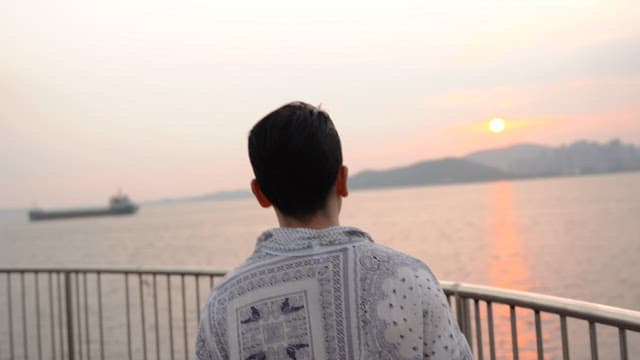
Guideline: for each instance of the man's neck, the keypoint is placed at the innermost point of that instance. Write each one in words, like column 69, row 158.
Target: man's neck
column 318, row 221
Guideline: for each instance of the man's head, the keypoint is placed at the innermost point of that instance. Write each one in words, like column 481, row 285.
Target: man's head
column 296, row 157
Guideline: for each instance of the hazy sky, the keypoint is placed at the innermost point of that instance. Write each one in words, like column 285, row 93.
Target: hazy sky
column 157, row 97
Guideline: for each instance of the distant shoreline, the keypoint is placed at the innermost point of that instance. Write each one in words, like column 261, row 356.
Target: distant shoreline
column 513, row 163
column 515, row 178
column 192, row 199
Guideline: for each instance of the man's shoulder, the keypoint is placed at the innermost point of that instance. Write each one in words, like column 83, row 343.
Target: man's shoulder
column 376, row 253
column 233, row 276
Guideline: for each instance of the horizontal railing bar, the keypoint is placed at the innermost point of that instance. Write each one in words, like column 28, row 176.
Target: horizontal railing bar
column 117, row 270
column 603, row 314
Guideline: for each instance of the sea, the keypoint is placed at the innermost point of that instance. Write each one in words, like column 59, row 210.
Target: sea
column 574, row 237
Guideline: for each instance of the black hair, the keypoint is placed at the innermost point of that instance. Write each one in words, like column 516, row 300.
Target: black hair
column 296, row 154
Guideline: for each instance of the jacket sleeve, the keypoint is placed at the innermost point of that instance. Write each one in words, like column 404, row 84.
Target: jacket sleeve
column 202, row 352
column 442, row 337
column 205, row 344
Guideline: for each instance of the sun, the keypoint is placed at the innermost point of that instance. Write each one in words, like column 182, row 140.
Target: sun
column 496, row 125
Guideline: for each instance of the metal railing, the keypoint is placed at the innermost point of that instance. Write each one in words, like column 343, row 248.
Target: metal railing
column 558, row 311
column 124, row 313
column 114, row 313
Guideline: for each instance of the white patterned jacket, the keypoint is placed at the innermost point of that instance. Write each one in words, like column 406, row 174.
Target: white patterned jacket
column 328, row 294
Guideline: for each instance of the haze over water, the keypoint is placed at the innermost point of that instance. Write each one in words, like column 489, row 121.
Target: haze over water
column 577, row 237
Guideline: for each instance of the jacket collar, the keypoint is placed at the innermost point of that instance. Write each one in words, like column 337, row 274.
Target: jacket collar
column 290, row 240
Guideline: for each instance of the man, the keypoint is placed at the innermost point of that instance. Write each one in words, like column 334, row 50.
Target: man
column 313, row 289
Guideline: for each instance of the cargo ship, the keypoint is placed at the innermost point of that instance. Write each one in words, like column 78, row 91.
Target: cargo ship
column 118, row 205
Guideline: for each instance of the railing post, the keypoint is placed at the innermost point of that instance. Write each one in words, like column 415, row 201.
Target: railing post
column 69, row 310
column 459, row 314
column 467, row 320
column 622, row 338
column 464, row 318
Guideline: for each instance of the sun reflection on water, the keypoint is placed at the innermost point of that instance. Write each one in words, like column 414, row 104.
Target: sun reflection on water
column 508, row 269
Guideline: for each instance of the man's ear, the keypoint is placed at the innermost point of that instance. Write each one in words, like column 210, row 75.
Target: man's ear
column 342, row 188
column 257, row 192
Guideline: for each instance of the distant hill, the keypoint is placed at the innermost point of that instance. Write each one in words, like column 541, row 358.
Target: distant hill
column 517, row 161
column 580, row 157
column 444, row 171
column 506, row 159
column 221, row 195
column 514, row 162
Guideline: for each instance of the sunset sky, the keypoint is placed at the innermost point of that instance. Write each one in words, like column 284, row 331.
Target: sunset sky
column 157, row 97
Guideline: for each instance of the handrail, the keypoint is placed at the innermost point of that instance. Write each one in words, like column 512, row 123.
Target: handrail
column 115, row 270
column 609, row 315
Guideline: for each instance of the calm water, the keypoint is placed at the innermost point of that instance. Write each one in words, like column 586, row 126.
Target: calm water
column 572, row 237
